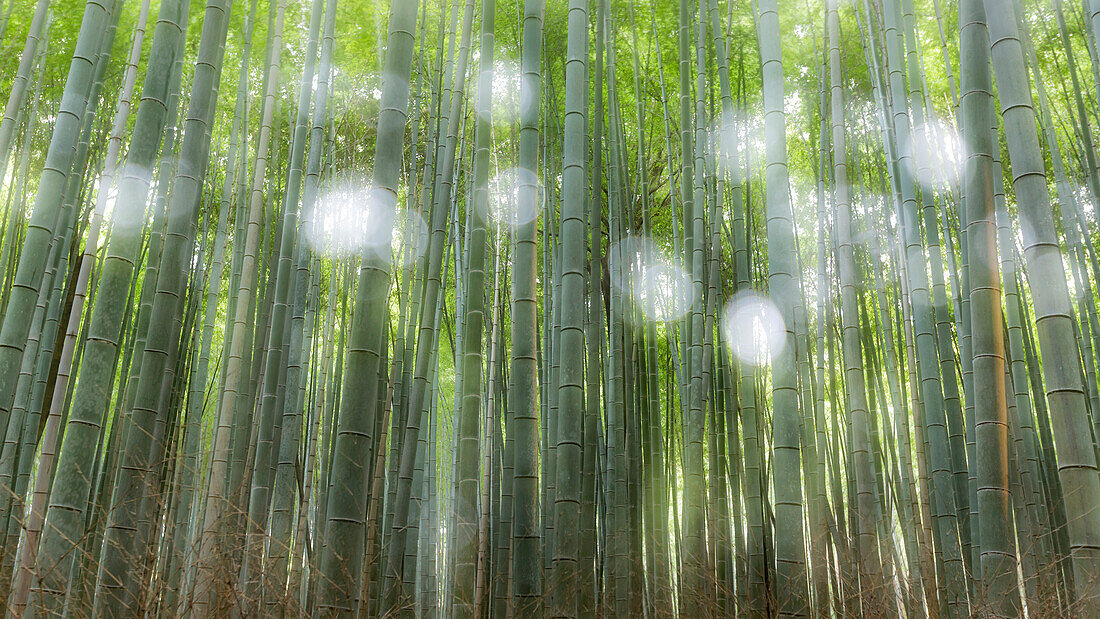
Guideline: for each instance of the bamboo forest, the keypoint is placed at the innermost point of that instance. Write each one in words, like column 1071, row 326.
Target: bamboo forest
column 550, row 308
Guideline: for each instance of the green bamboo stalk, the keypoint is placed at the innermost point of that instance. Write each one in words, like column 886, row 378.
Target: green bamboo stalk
column 570, row 388
column 526, row 545
column 1042, row 252
column 930, row 391
column 791, row 586
column 33, row 525
column 284, row 489
column 344, row 530
column 70, row 495
column 466, row 601
column 164, row 325
column 268, row 446
column 998, row 571
column 45, row 215
column 871, row 570
column 18, row 93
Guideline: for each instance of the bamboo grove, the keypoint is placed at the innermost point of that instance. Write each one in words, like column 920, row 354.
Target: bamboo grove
column 568, row 308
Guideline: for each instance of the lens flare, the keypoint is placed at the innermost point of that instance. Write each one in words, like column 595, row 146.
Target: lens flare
column 754, row 328
column 659, row 287
column 515, row 197
column 938, row 155
column 410, row 237
column 731, row 137
column 353, row 217
column 662, row 291
column 506, row 91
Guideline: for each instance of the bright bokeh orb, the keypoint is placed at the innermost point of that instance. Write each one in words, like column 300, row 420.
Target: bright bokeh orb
column 515, row 197
column 938, row 155
column 658, row 285
column 729, row 137
column 506, row 91
column 662, row 291
column 623, row 258
column 754, row 328
column 353, row 217
column 410, row 237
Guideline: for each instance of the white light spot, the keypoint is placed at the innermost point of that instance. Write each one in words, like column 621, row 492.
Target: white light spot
column 506, row 92
column 515, row 197
column 662, row 291
column 938, row 155
column 734, row 139
column 134, row 217
column 659, row 286
column 754, row 328
column 410, row 237
column 352, row 217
